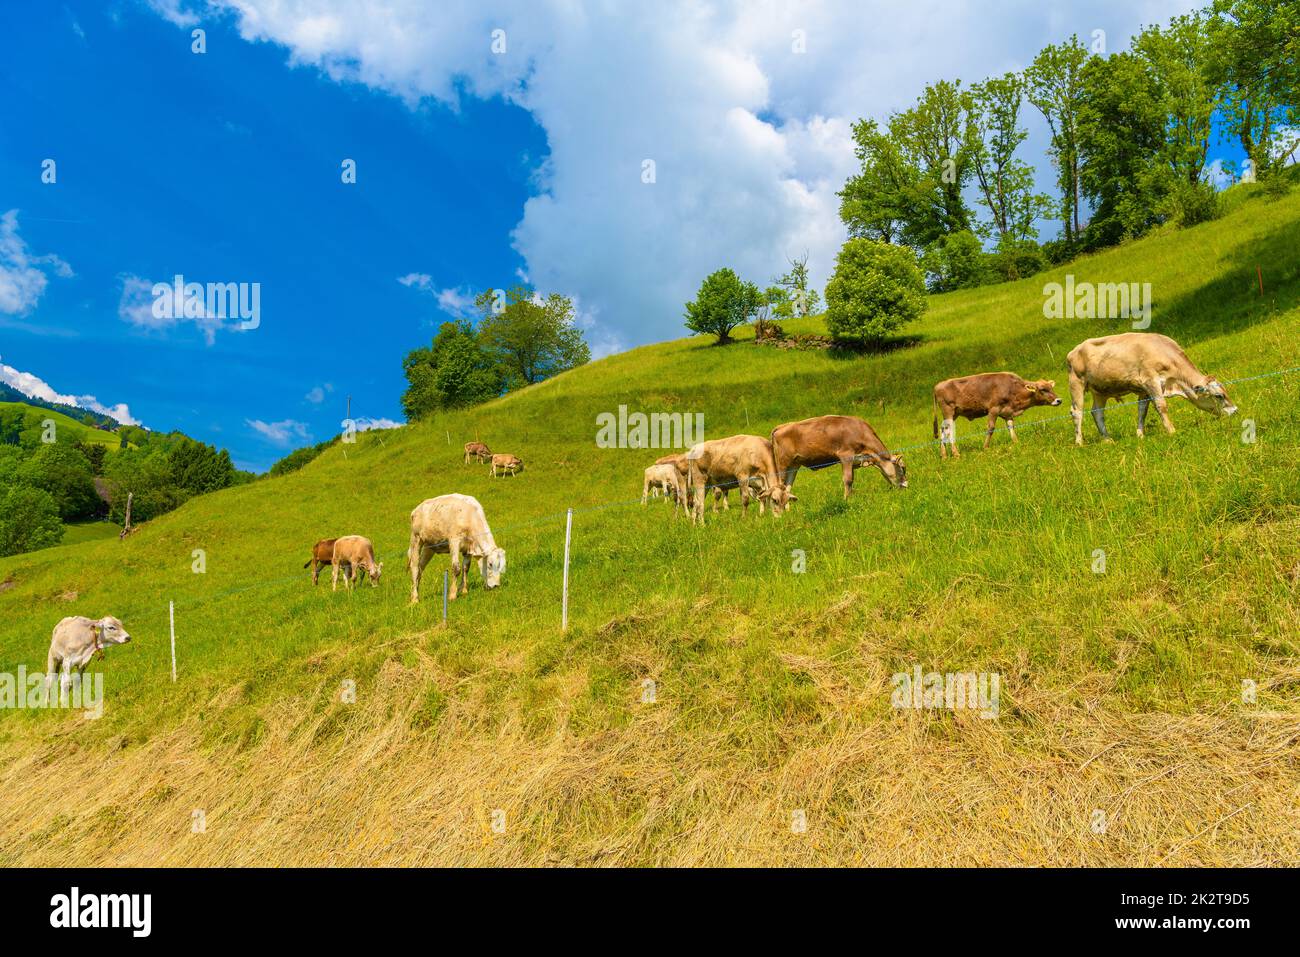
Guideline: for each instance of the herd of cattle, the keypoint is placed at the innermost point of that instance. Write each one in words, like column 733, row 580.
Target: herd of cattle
column 1149, row 365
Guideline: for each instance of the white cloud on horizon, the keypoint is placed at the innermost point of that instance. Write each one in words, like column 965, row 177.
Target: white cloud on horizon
column 367, row 424
column 37, row 388
column 751, row 140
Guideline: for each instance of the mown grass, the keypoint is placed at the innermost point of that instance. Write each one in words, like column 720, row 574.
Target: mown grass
column 1121, row 691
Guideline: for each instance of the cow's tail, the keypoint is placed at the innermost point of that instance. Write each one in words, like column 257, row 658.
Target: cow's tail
column 934, row 415
column 307, row 562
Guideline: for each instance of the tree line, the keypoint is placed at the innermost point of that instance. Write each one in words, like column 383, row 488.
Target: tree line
column 944, row 198
column 520, row 339
column 49, row 478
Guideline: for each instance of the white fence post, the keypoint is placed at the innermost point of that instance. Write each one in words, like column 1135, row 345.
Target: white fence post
column 568, row 537
column 171, row 615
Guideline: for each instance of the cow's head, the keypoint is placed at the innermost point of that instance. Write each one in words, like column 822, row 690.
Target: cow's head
column 492, row 566
column 892, row 468
column 778, row 496
column 1040, row 392
column 111, row 632
column 375, row 570
column 1212, row 397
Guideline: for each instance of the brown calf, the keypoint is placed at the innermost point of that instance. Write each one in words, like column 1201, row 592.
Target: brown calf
column 507, row 464
column 998, row 395
column 477, row 451
column 322, row 553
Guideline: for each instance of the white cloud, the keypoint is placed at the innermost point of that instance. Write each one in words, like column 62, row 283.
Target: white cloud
column 366, row 424
column 136, row 306
column 750, row 138
column 281, row 433
column 38, row 388
column 317, row 394
column 23, row 275
column 417, row 280
column 458, row 302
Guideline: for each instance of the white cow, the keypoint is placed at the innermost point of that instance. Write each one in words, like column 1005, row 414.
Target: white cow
column 75, row 641
column 449, row 525
column 664, row 477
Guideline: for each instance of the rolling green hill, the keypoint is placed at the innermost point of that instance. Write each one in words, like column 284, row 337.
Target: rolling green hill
column 65, row 425
column 707, row 693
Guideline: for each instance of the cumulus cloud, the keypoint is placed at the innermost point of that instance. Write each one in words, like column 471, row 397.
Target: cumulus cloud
column 36, row 387
column 23, row 274
column 455, row 302
column 744, row 108
column 282, row 433
column 317, row 394
column 136, row 306
column 366, row 424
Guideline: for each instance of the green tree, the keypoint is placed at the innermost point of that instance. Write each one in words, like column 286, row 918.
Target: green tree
column 198, row 468
column 147, row 473
column 64, row 473
column 29, row 519
column 1183, row 67
column 954, row 261
column 1006, row 183
column 876, row 288
column 1121, row 134
column 723, row 303
column 880, row 201
column 530, row 338
column 1055, row 86
column 455, row 371
column 1256, row 49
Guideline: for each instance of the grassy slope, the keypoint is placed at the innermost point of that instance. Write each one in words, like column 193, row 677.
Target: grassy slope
column 68, row 426
column 1121, row 692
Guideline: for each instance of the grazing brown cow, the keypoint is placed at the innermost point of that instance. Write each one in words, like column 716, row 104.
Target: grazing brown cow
column 744, row 461
column 477, row 451
column 322, row 553
column 679, row 462
column 351, row 554
column 1146, row 364
column 822, row 441
column 663, row 477
column 508, row 464
column 998, row 395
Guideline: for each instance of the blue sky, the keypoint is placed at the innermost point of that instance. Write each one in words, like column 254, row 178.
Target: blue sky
column 476, row 165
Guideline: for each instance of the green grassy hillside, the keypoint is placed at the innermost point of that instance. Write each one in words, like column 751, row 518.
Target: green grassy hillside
column 1121, row 692
column 66, row 426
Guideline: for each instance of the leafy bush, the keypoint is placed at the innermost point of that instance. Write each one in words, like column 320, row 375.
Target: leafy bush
column 1016, row 259
column 877, row 287
column 29, row 519
column 62, row 471
column 954, row 261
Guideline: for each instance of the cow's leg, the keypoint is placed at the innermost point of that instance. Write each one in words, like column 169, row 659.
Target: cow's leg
column 1077, row 390
column 335, row 576
column 417, row 556
column 992, row 425
column 1163, row 408
column 1144, row 403
column 847, row 467
column 950, row 427
column 1011, row 429
column 1099, row 414
column 454, row 549
column 645, row 491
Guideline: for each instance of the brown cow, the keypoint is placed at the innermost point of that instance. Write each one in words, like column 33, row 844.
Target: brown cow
column 1146, row 364
column 508, row 464
column 740, row 460
column 322, row 553
column 477, row 451
column 822, row 441
column 679, row 462
column 998, row 395
column 352, row 553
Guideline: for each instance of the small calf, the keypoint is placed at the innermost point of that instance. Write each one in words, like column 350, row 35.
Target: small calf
column 75, row 641
column 322, row 553
column 507, row 464
column 477, row 451
column 355, row 552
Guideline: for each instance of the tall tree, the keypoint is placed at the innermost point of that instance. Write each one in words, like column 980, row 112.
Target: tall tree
column 878, row 202
column 799, row 299
column 1055, row 87
column 1256, row 47
column 1006, row 183
column 1183, row 68
column 530, row 338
